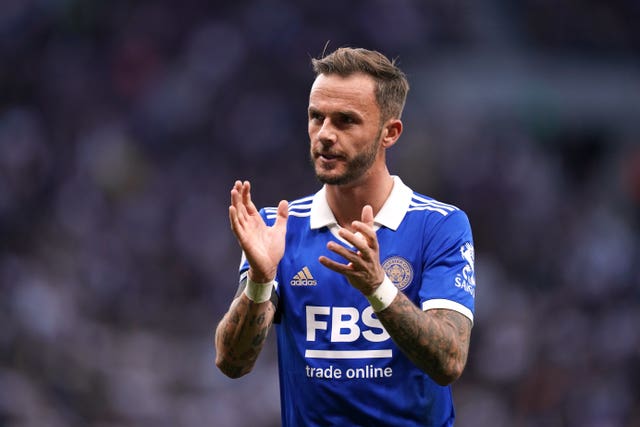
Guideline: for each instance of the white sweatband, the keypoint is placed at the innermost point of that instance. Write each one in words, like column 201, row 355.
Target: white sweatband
column 383, row 296
column 258, row 292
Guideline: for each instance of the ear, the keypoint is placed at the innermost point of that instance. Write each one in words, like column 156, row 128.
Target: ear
column 391, row 132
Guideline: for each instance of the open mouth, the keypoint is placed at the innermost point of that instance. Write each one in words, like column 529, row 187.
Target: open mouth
column 327, row 156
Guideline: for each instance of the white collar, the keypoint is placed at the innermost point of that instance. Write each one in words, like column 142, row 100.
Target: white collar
column 390, row 216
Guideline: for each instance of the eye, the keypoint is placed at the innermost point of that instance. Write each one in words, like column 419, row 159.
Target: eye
column 347, row 119
column 315, row 116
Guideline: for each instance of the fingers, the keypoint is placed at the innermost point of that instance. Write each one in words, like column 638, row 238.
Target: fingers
column 283, row 209
column 246, row 198
column 236, row 219
column 335, row 266
column 367, row 215
column 235, row 197
column 349, row 255
column 282, row 215
column 238, row 214
column 364, row 239
column 365, row 229
column 241, row 200
column 233, row 218
column 357, row 240
column 246, row 193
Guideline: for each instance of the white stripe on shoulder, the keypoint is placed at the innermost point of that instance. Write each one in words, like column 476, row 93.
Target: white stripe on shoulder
column 301, row 207
column 300, row 214
column 274, row 214
column 428, row 208
column 303, row 201
column 419, row 203
column 296, row 207
column 434, row 202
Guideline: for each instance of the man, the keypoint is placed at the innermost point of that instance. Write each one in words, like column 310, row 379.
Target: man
column 371, row 285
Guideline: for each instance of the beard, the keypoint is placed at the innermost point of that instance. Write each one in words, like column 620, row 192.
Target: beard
column 356, row 166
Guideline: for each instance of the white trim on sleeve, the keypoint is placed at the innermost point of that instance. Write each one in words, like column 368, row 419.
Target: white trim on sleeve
column 448, row 304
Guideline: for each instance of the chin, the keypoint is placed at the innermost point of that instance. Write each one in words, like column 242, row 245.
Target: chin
column 328, row 178
column 335, row 179
column 334, row 176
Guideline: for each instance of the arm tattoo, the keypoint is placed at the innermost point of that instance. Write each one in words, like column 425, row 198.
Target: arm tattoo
column 241, row 334
column 437, row 341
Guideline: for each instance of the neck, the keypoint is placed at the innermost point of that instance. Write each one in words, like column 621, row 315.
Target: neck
column 346, row 201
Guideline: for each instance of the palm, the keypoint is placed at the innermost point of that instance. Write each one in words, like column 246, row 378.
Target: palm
column 262, row 245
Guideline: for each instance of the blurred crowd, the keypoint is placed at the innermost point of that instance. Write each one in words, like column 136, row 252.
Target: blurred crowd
column 124, row 124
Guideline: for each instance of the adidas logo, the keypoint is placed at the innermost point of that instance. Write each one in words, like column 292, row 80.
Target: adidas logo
column 303, row 278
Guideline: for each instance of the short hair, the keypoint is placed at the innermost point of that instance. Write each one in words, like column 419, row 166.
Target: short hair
column 391, row 85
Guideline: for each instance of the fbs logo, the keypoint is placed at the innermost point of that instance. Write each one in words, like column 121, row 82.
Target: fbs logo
column 303, row 278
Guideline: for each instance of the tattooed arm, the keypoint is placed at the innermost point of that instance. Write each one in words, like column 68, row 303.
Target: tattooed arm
column 241, row 334
column 436, row 341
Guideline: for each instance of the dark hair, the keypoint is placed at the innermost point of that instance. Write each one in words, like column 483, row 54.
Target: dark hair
column 391, row 85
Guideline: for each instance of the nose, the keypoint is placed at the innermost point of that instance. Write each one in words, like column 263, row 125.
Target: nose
column 327, row 134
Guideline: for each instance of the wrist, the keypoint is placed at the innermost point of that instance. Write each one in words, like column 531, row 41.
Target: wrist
column 259, row 292
column 383, row 296
column 260, row 277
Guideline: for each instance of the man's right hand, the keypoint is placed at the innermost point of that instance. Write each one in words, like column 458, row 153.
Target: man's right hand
column 262, row 245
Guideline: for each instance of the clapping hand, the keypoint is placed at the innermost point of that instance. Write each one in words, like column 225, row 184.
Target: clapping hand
column 363, row 269
column 262, row 245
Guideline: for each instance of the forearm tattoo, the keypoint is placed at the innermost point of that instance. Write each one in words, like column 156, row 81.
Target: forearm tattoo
column 241, row 335
column 437, row 341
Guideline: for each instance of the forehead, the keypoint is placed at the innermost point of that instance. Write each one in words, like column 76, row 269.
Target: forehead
column 354, row 92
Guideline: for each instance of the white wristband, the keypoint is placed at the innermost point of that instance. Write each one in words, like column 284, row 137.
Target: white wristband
column 259, row 292
column 383, row 296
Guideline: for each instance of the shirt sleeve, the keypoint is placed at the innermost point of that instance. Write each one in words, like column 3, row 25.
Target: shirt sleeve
column 448, row 279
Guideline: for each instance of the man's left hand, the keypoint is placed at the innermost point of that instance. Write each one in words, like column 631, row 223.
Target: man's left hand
column 363, row 269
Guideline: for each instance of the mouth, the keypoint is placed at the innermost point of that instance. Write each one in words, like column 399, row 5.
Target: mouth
column 327, row 156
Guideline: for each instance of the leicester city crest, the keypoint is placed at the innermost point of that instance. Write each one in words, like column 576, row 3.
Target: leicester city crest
column 399, row 271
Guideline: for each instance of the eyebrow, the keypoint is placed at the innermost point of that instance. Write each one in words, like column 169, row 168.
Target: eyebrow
column 347, row 113
column 343, row 113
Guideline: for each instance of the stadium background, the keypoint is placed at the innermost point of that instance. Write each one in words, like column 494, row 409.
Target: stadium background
column 123, row 125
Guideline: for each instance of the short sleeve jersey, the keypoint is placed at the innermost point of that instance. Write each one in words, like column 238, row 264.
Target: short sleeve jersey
column 337, row 364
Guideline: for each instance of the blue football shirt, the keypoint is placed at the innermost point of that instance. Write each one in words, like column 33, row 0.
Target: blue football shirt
column 337, row 364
